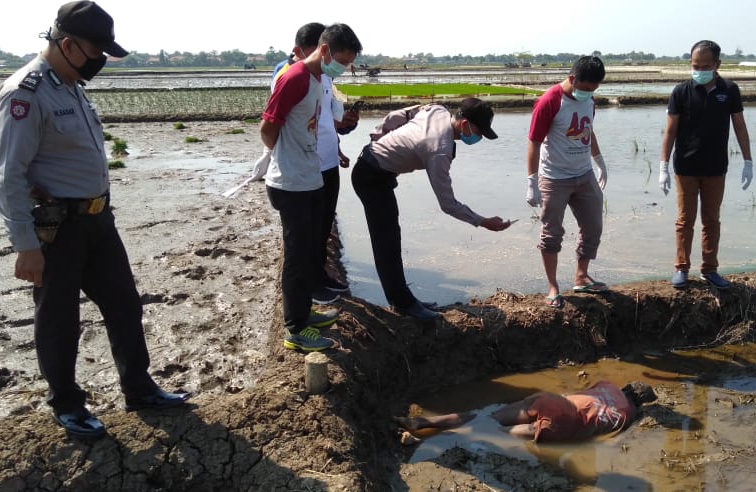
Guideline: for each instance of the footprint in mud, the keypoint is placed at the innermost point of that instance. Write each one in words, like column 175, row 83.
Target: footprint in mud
column 197, row 273
column 7, row 377
column 171, row 369
column 17, row 323
column 214, row 252
column 153, row 299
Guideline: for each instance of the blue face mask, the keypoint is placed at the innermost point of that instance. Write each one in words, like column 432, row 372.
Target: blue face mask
column 333, row 69
column 702, row 77
column 469, row 139
column 581, row 95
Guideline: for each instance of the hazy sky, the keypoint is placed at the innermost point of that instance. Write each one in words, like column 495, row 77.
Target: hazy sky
column 397, row 28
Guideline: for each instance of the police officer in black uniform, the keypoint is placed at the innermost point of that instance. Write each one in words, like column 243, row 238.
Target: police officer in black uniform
column 54, row 200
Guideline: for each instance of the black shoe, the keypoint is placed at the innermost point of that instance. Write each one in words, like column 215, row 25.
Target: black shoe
column 433, row 306
column 321, row 295
column 334, row 285
column 417, row 311
column 159, row 400
column 80, row 423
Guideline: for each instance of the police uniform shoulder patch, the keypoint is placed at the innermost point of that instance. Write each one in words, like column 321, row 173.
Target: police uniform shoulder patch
column 19, row 109
column 31, row 81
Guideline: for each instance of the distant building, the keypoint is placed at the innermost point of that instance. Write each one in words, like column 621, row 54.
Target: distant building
column 747, row 64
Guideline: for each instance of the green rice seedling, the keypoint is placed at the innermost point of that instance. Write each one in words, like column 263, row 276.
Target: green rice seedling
column 235, row 131
column 193, row 140
column 119, row 148
column 179, row 126
column 116, row 164
column 635, row 146
column 252, row 121
column 107, row 136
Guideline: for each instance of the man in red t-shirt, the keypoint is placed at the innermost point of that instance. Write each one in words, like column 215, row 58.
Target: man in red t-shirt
column 543, row 416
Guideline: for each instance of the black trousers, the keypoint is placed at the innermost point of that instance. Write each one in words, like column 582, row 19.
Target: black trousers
column 331, row 185
column 375, row 188
column 301, row 218
column 88, row 255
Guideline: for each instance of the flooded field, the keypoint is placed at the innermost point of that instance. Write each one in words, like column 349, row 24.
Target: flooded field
column 449, row 261
column 696, row 436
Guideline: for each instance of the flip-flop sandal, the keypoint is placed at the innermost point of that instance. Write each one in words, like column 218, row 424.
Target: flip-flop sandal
column 556, row 302
column 81, row 424
column 591, row 288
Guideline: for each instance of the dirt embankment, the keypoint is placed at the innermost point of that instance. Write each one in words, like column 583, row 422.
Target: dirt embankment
column 208, row 269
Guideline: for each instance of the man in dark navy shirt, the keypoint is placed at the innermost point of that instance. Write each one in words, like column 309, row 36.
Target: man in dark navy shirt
column 698, row 126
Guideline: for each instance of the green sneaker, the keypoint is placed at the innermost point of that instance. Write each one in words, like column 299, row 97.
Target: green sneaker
column 308, row 340
column 321, row 319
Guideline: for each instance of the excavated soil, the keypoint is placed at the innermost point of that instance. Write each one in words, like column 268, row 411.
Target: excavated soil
column 208, row 268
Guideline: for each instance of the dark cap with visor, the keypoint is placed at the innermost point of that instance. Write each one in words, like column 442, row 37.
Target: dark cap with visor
column 89, row 21
column 480, row 114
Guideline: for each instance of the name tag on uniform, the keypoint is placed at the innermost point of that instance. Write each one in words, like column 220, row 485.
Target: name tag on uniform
column 64, row 112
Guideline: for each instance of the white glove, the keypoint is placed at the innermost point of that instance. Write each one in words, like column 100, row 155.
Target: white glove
column 665, row 183
column 747, row 174
column 601, row 165
column 533, row 195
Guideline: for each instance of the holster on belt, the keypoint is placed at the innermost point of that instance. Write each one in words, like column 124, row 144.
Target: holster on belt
column 47, row 218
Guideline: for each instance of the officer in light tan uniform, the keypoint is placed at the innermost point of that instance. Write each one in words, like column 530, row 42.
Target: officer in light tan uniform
column 409, row 140
column 54, row 200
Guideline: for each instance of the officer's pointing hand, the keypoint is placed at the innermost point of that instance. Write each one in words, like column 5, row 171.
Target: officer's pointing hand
column 30, row 265
column 494, row 224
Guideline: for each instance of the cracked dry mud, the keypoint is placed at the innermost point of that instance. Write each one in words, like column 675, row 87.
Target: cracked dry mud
column 207, row 269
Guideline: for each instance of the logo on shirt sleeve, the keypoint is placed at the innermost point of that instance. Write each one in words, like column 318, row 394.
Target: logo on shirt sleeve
column 19, row 109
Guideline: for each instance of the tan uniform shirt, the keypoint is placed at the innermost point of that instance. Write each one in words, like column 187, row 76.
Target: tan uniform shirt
column 426, row 142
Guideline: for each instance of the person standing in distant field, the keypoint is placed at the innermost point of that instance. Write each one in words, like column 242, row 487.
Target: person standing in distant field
column 55, row 200
column 698, row 127
column 561, row 142
column 294, row 180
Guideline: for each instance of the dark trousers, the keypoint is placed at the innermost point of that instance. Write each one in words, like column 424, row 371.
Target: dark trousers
column 375, row 188
column 301, row 215
column 88, row 255
column 331, row 184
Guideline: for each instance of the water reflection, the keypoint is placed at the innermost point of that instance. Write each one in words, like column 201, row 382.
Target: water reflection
column 448, row 261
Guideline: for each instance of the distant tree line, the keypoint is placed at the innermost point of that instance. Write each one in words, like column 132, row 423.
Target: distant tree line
column 239, row 59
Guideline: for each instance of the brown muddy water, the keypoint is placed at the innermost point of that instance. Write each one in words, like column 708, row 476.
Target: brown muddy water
column 689, row 439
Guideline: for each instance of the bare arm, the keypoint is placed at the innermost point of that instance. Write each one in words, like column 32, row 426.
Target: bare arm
column 670, row 133
column 595, row 150
column 269, row 133
column 534, row 156
column 741, row 133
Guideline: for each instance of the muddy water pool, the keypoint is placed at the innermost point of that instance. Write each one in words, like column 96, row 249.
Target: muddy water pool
column 698, row 435
column 448, row 261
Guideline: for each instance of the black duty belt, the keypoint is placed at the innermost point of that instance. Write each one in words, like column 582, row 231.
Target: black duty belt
column 86, row 206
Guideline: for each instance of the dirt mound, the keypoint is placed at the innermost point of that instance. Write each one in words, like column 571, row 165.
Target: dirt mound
column 276, row 436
